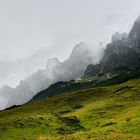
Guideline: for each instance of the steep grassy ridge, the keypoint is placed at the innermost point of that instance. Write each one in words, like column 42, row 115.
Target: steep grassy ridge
column 85, row 83
column 98, row 113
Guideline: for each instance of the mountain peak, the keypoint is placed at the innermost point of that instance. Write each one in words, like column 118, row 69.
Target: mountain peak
column 134, row 35
column 118, row 36
column 79, row 50
column 52, row 62
column 80, row 46
column 138, row 19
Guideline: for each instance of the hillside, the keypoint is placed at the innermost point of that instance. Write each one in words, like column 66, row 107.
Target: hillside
column 85, row 83
column 55, row 71
column 111, row 112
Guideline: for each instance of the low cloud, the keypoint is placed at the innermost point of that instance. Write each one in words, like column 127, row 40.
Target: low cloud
column 82, row 55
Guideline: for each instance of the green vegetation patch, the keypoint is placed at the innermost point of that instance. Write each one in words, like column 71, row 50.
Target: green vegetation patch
column 106, row 113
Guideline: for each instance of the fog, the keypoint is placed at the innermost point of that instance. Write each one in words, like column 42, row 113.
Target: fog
column 74, row 67
column 34, row 31
column 29, row 26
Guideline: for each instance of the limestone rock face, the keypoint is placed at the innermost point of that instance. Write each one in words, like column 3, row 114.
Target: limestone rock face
column 134, row 35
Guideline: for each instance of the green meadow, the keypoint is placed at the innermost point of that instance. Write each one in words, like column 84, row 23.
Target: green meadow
column 100, row 113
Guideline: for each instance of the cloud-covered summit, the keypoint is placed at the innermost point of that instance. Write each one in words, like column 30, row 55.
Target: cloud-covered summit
column 81, row 56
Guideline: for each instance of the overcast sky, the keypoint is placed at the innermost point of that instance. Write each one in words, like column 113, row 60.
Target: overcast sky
column 35, row 30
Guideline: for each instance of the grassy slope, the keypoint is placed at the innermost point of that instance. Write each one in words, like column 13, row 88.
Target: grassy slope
column 99, row 113
column 85, row 83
